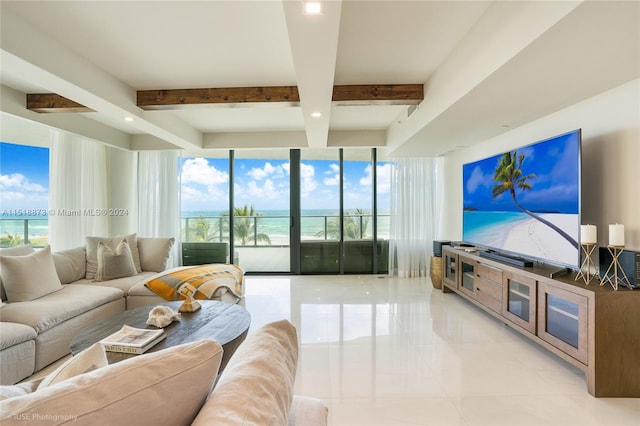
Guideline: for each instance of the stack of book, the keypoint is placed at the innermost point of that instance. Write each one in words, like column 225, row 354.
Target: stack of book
column 133, row 340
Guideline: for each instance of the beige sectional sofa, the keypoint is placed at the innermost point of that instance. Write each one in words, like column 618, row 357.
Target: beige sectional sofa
column 38, row 331
column 174, row 386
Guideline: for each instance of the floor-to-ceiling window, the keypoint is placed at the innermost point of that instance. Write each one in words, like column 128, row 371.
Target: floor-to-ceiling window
column 261, row 214
column 302, row 211
column 204, row 199
column 24, row 195
column 320, row 203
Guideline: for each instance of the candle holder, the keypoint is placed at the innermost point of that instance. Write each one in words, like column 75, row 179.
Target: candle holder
column 587, row 264
column 615, row 267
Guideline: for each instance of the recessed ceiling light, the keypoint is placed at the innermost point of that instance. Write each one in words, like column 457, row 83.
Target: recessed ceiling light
column 316, row 114
column 129, row 119
column 312, row 8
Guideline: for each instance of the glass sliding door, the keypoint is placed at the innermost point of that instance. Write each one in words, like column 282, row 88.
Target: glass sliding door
column 320, row 218
column 204, row 198
column 358, row 223
column 308, row 211
column 261, row 213
column 383, row 213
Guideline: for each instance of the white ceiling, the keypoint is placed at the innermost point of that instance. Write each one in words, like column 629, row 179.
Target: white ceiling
column 484, row 64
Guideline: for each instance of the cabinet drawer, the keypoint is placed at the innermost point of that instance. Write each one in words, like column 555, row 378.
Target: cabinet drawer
column 489, row 273
column 489, row 288
column 489, row 302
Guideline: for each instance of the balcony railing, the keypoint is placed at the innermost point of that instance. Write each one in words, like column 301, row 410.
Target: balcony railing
column 250, row 231
column 14, row 232
column 275, row 230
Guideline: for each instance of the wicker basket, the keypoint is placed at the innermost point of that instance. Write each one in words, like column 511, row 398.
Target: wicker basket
column 436, row 272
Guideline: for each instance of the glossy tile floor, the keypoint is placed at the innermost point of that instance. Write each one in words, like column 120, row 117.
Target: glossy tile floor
column 395, row 351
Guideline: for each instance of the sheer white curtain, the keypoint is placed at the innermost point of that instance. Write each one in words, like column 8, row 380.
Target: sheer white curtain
column 78, row 190
column 159, row 196
column 413, row 212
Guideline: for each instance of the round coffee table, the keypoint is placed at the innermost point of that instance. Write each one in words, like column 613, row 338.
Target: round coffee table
column 226, row 323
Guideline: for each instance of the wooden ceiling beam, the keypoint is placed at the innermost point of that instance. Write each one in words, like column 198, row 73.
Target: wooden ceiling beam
column 378, row 94
column 172, row 98
column 360, row 94
column 52, row 102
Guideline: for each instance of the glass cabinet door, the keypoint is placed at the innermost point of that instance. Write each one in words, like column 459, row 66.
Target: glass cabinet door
column 520, row 300
column 562, row 320
column 450, row 273
column 467, row 273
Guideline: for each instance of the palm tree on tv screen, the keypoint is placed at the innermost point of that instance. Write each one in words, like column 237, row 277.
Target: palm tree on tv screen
column 510, row 177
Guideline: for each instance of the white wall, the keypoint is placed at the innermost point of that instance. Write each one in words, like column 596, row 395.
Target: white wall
column 610, row 124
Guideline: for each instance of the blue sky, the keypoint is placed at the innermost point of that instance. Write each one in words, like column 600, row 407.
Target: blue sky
column 24, row 177
column 556, row 187
column 265, row 184
column 24, row 182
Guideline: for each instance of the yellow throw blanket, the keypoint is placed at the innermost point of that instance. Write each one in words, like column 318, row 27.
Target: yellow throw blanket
column 206, row 278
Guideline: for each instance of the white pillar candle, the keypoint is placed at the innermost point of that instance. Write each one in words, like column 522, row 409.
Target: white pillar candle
column 616, row 235
column 588, row 234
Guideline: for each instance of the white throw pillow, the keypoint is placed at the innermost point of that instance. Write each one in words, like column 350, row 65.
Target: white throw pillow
column 155, row 253
column 29, row 277
column 92, row 251
column 90, row 359
column 70, row 264
column 13, row 251
column 114, row 264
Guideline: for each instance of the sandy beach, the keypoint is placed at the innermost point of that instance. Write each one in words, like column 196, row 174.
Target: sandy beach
column 534, row 238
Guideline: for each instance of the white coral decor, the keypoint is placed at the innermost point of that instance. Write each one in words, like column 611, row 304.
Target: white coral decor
column 162, row 316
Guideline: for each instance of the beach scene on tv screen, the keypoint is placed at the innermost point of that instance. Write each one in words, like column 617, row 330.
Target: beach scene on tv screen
column 527, row 201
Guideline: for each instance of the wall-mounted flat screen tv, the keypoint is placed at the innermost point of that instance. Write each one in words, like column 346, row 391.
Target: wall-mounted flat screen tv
column 527, row 201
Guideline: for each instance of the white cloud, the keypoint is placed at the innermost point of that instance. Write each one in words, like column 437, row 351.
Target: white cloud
column 11, row 196
column 19, row 182
column 257, row 174
column 477, row 179
column 198, row 170
column 16, row 188
column 308, row 184
column 267, row 191
column 307, row 170
column 189, row 193
column 268, row 169
column 334, row 179
column 384, row 177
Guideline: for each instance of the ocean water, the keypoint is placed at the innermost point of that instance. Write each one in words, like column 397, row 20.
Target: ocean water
column 38, row 226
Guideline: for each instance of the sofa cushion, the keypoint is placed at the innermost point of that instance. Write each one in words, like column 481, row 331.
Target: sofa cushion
column 21, row 389
column 167, row 387
column 116, row 263
column 88, row 360
column 308, row 411
column 13, row 251
column 70, row 264
column 69, row 302
column 92, row 251
column 256, row 387
column 124, row 284
column 29, row 277
column 17, row 352
column 155, row 253
column 13, row 334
